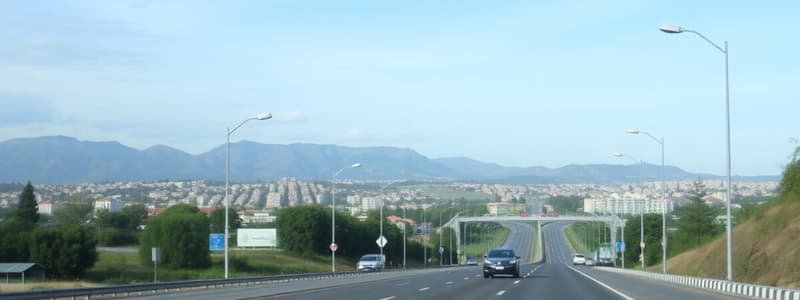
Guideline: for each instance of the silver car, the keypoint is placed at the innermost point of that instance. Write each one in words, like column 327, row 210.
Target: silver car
column 371, row 263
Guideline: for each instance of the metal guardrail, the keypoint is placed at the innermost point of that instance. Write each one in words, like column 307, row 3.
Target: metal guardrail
column 719, row 285
column 156, row 288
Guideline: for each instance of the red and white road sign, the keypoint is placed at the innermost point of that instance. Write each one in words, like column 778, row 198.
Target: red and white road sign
column 333, row 247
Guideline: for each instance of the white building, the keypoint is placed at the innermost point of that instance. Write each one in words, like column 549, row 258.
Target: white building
column 110, row 204
column 48, row 207
column 370, row 203
column 626, row 204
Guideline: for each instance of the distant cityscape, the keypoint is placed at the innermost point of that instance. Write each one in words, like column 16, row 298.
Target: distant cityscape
column 358, row 197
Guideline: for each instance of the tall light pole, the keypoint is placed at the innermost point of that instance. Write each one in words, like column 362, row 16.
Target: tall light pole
column 333, row 214
column 381, row 221
column 441, row 229
column 663, row 200
column 424, row 247
column 728, row 226
column 641, row 209
column 261, row 116
column 405, row 222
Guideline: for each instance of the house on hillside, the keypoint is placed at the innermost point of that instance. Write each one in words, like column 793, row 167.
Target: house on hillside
column 109, row 204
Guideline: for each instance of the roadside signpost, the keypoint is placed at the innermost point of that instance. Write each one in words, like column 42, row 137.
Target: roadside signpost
column 333, row 247
column 155, row 253
column 216, row 242
column 381, row 241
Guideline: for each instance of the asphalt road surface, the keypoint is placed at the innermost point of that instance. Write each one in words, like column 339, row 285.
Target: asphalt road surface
column 555, row 278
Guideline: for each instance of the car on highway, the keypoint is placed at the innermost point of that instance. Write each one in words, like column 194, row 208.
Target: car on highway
column 471, row 261
column 578, row 259
column 371, row 263
column 589, row 262
column 501, row 260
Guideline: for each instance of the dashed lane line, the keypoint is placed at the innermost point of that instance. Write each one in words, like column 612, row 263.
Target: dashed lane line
column 500, row 293
column 425, row 289
column 448, row 283
column 388, row 298
column 515, row 282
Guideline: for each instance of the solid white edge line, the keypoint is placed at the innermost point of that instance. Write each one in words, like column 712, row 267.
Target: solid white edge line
column 387, row 298
column 602, row 284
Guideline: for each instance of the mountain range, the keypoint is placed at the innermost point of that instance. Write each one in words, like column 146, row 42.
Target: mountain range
column 66, row 160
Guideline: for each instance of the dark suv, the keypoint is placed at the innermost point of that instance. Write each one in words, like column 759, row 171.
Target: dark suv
column 501, row 261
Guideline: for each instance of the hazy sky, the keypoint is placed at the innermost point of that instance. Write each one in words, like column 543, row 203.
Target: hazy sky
column 519, row 83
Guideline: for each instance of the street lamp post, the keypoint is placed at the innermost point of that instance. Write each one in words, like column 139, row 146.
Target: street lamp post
column 261, row 116
column 405, row 222
column 641, row 210
column 333, row 213
column 381, row 220
column 728, row 226
column 663, row 200
column 424, row 247
column 441, row 229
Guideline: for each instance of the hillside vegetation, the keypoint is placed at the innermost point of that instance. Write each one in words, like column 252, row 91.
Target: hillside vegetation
column 765, row 246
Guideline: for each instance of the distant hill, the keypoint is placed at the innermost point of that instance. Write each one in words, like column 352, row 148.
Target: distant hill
column 60, row 159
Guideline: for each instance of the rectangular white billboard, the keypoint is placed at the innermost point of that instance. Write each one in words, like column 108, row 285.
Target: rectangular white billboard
column 261, row 237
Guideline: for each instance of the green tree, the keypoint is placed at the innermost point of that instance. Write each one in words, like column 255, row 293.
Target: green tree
column 181, row 232
column 27, row 209
column 304, row 229
column 217, row 219
column 74, row 213
column 14, row 240
column 790, row 183
column 652, row 239
column 65, row 251
column 696, row 219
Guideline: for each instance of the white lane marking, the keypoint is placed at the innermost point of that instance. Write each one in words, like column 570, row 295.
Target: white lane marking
column 515, row 282
column 603, row 284
column 387, row 298
column 424, row 289
column 500, row 293
column 401, row 284
column 466, row 278
column 448, row 283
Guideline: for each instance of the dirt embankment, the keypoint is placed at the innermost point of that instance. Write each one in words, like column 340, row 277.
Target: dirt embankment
column 766, row 250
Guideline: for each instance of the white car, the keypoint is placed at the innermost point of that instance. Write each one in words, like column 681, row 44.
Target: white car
column 578, row 259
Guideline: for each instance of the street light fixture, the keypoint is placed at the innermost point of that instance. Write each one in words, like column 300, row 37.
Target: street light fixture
column 641, row 210
column 728, row 226
column 441, row 229
column 381, row 220
column 259, row 117
column 333, row 214
column 663, row 200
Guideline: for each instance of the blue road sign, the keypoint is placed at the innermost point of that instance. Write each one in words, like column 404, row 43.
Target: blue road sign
column 441, row 250
column 216, row 242
column 619, row 246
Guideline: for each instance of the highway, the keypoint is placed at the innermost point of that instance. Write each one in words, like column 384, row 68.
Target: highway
column 554, row 278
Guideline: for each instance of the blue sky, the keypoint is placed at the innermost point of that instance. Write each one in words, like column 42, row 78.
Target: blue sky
column 519, row 83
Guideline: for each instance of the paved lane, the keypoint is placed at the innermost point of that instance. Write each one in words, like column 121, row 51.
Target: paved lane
column 554, row 278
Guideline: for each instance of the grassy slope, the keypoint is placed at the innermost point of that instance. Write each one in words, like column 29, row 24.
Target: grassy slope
column 766, row 250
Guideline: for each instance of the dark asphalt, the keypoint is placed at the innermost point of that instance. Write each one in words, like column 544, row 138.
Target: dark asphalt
column 554, row 278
